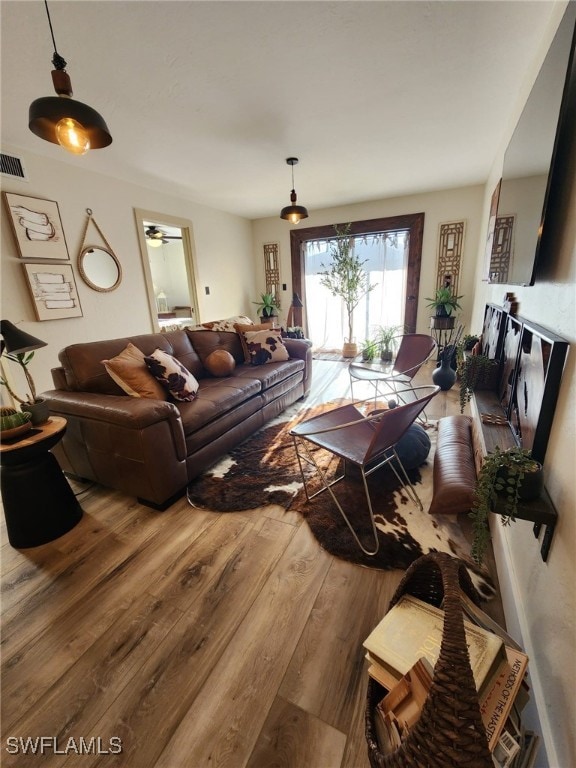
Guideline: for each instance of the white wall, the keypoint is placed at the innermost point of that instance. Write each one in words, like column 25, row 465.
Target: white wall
column 539, row 598
column 438, row 207
column 222, row 245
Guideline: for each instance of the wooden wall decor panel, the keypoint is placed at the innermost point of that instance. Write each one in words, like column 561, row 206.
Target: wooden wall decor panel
column 272, row 270
column 502, row 248
column 450, row 250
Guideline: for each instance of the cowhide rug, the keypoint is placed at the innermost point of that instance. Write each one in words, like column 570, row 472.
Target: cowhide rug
column 263, row 470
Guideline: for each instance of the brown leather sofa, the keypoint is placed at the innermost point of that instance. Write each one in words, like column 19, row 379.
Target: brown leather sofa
column 152, row 449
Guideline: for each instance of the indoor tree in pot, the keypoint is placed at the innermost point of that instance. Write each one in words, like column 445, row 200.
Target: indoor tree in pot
column 347, row 279
column 504, row 479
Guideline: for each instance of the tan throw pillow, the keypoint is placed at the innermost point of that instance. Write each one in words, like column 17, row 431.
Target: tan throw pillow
column 241, row 329
column 266, row 346
column 173, row 376
column 220, row 363
column 129, row 371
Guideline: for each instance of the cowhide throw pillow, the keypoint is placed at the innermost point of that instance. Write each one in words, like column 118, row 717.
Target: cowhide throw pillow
column 173, row 376
column 266, row 346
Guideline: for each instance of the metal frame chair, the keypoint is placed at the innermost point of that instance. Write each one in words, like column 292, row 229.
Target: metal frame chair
column 414, row 350
column 366, row 442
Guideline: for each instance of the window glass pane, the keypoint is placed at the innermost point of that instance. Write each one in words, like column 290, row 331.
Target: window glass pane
column 385, row 255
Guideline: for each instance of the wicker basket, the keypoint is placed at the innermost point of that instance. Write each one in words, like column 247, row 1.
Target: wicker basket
column 450, row 731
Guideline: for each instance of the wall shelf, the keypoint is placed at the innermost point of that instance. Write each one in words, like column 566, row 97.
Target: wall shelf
column 532, row 360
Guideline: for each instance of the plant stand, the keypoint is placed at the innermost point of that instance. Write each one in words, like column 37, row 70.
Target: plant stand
column 442, row 331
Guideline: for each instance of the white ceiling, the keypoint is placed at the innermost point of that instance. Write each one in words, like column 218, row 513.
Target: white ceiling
column 206, row 100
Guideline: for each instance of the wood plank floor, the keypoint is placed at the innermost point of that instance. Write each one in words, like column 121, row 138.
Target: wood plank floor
column 196, row 639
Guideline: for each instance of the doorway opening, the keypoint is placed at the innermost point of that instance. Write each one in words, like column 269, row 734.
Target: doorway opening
column 169, row 269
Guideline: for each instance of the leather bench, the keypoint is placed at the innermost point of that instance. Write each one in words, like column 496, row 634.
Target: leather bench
column 454, row 473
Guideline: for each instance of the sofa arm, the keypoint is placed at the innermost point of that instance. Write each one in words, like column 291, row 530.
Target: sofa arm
column 301, row 349
column 135, row 445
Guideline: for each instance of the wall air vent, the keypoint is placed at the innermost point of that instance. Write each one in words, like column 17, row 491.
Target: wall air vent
column 13, row 167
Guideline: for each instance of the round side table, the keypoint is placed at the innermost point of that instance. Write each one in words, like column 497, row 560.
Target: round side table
column 39, row 505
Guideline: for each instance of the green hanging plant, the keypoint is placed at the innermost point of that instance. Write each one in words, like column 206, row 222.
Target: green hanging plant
column 476, row 372
column 499, row 484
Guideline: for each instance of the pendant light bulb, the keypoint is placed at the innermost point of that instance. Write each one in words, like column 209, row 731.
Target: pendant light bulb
column 63, row 120
column 72, row 136
column 294, row 218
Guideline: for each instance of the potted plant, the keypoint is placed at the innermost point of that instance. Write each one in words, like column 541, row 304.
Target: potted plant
column 504, row 478
column 386, row 336
column 468, row 342
column 294, row 332
column 36, row 406
column 267, row 307
column 476, row 372
column 444, row 302
column 346, row 278
column 369, row 347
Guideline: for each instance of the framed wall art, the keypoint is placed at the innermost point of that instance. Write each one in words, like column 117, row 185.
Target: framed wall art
column 37, row 227
column 53, row 291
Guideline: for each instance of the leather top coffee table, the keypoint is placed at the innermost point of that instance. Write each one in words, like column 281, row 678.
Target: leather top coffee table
column 39, row 505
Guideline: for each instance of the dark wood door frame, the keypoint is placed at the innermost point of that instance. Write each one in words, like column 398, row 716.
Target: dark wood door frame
column 413, row 223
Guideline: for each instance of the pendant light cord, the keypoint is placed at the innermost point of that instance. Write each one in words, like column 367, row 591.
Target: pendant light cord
column 57, row 60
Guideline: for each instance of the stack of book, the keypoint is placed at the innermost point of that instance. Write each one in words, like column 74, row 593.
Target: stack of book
column 402, row 651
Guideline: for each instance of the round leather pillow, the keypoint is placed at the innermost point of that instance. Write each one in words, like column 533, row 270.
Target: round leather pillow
column 413, row 447
column 220, row 363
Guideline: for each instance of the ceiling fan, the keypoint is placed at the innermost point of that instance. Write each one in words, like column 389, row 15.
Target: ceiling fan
column 157, row 237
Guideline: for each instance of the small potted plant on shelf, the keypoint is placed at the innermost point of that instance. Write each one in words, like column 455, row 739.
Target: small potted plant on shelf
column 504, row 479
column 386, row 337
column 267, row 307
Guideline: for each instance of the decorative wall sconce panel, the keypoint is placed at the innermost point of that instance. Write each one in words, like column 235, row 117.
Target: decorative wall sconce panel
column 501, row 257
column 450, row 250
column 272, row 270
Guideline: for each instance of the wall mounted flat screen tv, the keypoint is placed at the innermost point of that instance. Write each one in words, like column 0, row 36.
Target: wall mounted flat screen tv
column 534, row 164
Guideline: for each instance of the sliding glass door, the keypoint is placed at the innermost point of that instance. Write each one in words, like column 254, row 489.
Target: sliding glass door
column 392, row 249
column 385, row 258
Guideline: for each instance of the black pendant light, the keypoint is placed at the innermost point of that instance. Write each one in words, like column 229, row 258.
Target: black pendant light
column 63, row 120
column 293, row 213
